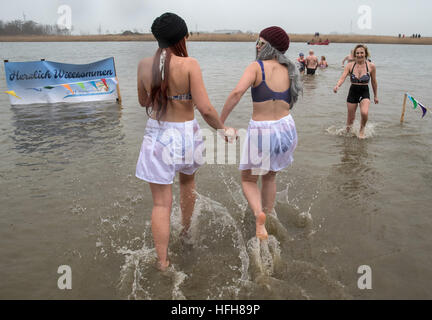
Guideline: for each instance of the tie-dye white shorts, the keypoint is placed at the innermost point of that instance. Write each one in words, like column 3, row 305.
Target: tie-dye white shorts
column 168, row 148
column 269, row 145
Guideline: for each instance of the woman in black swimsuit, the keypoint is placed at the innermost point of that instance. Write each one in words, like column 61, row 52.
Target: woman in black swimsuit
column 360, row 72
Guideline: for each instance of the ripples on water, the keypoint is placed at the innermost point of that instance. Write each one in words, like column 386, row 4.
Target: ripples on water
column 221, row 259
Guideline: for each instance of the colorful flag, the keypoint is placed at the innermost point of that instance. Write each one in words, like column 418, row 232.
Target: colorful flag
column 81, row 85
column 414, row 101
column 423, row 109
column 68, row 87
column 12, row 93
column 94, row 84
column 104, row 82
column 48, row 87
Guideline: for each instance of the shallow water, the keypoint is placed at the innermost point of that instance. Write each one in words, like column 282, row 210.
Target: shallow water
column 69, row 195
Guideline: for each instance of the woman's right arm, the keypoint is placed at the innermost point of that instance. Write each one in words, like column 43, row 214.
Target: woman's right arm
column 345, row 59
column 200, row 97
column 245, row 82
column 342, row 78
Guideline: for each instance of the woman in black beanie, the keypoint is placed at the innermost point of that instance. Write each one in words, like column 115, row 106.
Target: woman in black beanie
column 169, row 85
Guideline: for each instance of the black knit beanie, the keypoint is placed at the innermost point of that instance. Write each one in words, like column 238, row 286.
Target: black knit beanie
column 168, row 29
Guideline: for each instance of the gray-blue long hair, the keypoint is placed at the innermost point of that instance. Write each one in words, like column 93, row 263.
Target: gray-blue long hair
column 267, row 52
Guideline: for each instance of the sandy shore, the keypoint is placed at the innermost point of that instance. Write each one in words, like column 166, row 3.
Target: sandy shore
column 223, row 38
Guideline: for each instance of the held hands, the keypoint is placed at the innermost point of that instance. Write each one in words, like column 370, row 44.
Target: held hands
column 376, row 100
column 230, row 134
column 335, row 89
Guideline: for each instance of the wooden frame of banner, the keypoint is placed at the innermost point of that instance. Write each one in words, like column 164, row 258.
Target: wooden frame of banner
column 119, row 99
column 403, row 108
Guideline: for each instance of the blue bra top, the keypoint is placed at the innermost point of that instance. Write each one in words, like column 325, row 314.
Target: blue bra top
column 262, row 92
column 363, row 79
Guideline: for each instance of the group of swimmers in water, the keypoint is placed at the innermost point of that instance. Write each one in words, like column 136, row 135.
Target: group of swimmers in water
column 170, row 85
column 311, row 63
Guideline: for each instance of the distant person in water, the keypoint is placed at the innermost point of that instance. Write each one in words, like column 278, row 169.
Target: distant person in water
column 302, row 62
column 361, row 71
column 311, row 63
column 271, row 137
column 323, row 63
column 349, row 58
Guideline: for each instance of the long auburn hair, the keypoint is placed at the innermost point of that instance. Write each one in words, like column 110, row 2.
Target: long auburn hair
column 158, row 94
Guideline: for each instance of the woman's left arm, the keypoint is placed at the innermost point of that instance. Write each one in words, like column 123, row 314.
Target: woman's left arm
column 142, row 92
column 246, row 81
column 374, row 83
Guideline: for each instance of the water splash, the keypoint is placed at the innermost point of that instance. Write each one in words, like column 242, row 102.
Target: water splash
column 263, row 255
column 223, row 217
column 355, row 130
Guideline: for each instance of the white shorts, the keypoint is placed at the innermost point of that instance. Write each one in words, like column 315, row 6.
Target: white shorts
column 269, row 145
column 169, row 147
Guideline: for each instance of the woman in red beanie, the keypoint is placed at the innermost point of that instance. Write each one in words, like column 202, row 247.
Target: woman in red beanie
column 169, row 85
column 271, row 137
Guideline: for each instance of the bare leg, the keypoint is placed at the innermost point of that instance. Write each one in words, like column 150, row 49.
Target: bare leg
column 187, row 199
column 162, row 203
column 352, row 108
column 364, row 110
column 253, row 196
column 268, row 191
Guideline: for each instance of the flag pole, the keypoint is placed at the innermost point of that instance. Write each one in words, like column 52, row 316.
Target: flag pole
column 119, row 99
column 403, row 108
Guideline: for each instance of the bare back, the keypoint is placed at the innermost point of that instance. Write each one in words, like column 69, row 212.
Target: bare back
column 312, row 62
column 178, row 83
column 277, row 79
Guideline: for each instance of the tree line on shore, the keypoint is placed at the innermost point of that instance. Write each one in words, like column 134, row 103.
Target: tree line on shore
column 29, row 27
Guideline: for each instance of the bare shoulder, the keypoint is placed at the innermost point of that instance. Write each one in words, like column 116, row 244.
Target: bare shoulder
column 254, row 65
column 145, row 63
column 190, row 61
column 372, row 65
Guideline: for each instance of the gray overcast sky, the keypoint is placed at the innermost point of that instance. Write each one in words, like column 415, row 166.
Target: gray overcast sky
column 388, row 17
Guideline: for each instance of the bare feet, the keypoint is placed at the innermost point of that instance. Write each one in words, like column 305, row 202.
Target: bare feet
column 184, row 233
column 362, row 134
column 185, row 236
column 163, row 266
column 261, row 232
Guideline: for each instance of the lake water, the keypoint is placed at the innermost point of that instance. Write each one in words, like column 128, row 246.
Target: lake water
column 69, row 195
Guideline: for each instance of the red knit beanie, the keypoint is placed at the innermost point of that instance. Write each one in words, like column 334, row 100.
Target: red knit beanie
column 277, row 37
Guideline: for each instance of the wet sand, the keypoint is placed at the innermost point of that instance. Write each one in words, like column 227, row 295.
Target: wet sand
column 243, row 37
